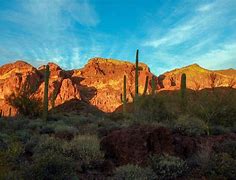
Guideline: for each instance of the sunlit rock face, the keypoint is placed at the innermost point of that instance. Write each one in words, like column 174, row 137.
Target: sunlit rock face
column 13, row 77
column 99, row 83
column 105, row 76
column 197, row 78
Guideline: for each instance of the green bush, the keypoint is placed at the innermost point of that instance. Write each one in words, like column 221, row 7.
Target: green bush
column 131, row 172
column 11, row 159
column 223, row 165
column 25, row 104
column 35, row 124
column 65, row 132
column 217, row 107
column 47, row 129
column 83, row 147
column 228, row 147
column 48, row 144
column 191, row 125
column 104, row 128
column 168, row 167
column 218, row 130
column 152, row 108
column 31, row 144
column 51, row 165
column 23, row 135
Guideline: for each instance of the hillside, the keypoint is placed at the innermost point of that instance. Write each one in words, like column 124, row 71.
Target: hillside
column 99, row 83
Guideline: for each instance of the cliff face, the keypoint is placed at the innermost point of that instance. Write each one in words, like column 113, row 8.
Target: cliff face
column 100, row 82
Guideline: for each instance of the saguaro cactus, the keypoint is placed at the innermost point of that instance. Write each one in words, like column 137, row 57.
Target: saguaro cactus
column 183, row 86
column 9, row 112
column 0, row 113
column 146, row 86
column 154, row 86
column 45, row 100
column 136, row 74
column 123, row 97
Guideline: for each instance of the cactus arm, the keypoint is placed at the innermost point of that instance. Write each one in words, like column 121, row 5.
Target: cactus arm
column 123, row 97
column 136, row 74
column 183, row 85
column 45, row 101
column 153, row 86
column 146, row 86
column 9, row 112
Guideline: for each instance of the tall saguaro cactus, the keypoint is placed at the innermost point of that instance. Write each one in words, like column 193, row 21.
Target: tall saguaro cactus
column 9, row 112
column 123, row 97
column 136, row 74
column 154, row 86
column 45, row 100
column 146, row 86
column 183, row 86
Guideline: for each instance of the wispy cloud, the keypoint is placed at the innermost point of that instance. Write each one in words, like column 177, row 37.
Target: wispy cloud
column 223, row 57
column 48, row 30
column 199, row 37
column 205, row 7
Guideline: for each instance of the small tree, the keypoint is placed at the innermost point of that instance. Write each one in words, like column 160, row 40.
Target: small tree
column 214, row 80
column 25, row 103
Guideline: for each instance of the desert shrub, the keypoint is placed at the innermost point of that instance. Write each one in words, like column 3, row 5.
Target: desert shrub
column 200, row 160
column 51, row 165
column 31, row 144
column 223, row 165
column 168, row 167
column 130, row 172
column 35, row 124
column 4, row 140
column 47, row 129
column 23, row 135
column 48, row 144
column 152, row 108
column 228, row 147
column 83, row 147
column 17, row 124
column 191, row 125
column 25, row 104
column 218, row 130
column 65, row 132
column 217, row 107
column 105, row 127
column 11, row 157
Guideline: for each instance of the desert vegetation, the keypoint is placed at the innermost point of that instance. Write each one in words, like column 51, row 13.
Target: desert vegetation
column 194, row 130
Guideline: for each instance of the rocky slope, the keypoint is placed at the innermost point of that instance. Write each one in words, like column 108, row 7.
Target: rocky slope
column 99, row 83
column 197, row 78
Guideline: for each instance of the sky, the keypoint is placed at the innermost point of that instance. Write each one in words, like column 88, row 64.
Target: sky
column 168, row 33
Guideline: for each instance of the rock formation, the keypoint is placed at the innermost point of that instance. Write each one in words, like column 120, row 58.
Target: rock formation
column 100, row 82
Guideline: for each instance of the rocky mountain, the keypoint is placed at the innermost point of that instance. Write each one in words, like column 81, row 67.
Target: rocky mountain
column 197, row 78
column 99, row 82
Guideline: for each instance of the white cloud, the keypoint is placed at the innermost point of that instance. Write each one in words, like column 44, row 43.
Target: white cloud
column 224, row 57
column 205, row 7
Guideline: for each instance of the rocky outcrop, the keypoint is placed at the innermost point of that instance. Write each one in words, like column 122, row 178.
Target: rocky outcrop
column 197, row 78
column 135, row 144
column 99, row 83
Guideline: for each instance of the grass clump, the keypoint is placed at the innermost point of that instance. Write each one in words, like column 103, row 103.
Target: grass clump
column 130, row 172
column 85, row 148
column 192, row 126
column 168, row 167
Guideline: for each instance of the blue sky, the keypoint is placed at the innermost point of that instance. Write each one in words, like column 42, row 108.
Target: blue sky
column 168, row 33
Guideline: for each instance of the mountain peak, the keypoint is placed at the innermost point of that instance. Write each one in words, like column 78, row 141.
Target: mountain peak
column 19, row 64
column 105, row 60
column 194, row 66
